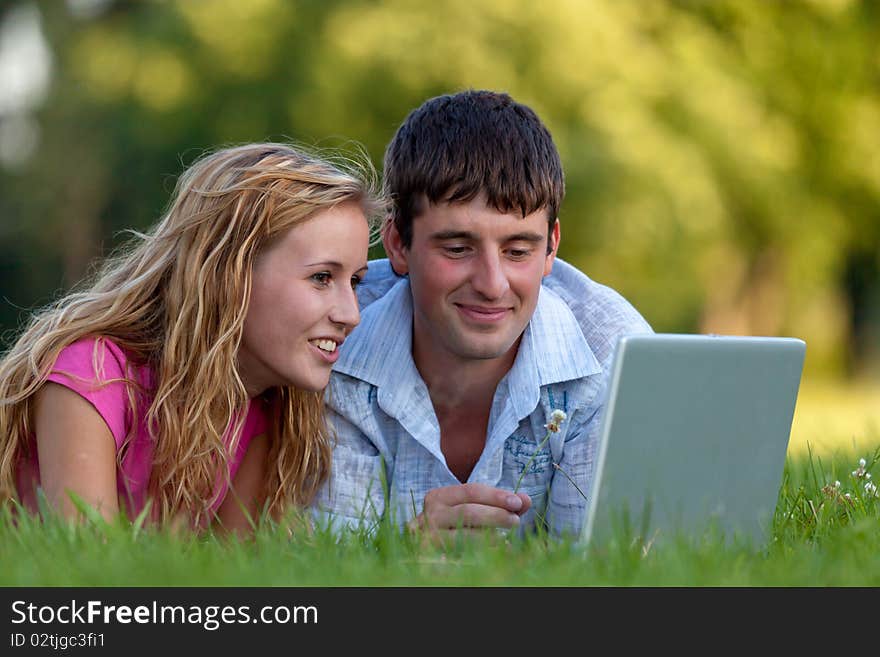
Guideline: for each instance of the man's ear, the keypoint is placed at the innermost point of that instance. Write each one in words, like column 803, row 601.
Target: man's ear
column 394, row 247
column 553, row 247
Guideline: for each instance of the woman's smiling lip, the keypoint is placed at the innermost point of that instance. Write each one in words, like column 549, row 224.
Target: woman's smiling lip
column 327, row 356
column 482, row 313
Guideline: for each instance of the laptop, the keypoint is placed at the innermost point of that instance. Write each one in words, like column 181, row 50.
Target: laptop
column 694, row 438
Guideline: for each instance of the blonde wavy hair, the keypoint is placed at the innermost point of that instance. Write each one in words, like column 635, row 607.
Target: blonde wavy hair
column 175, row 299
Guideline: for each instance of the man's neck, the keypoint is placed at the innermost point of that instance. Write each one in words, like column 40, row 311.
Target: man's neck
column 460, row 383
column 461, row 392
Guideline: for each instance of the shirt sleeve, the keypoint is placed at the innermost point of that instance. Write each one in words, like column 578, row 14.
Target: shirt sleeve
column 379, row 279
column 95, row 369
column 602, row 313
column 354, row 495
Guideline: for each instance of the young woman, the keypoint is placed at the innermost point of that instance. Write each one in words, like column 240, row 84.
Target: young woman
column 189, row 373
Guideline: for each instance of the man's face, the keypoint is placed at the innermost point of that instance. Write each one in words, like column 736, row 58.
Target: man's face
column 475, row 275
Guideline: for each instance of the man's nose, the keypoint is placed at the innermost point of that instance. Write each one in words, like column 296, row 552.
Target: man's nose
column 489, row 277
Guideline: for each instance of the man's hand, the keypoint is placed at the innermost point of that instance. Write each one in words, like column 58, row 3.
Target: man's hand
column 468, row 507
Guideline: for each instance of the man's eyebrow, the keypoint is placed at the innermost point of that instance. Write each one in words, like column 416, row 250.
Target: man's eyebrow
column 525, row 237
column 467, row 235
column 452, row 235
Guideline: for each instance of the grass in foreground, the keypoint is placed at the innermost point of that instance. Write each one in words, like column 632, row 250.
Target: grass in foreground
column 826, row 533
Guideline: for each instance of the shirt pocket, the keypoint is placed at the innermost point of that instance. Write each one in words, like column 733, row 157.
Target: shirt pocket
column 532, row 468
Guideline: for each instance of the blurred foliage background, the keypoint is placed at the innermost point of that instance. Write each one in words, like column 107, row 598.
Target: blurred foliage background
column 722, row 157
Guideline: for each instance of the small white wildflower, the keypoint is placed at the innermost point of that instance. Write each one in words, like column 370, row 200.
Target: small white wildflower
column 870, row 488
column 557, row 417
column 847, row 495
column 860, row 473
column 836, row 484
column 867, row 475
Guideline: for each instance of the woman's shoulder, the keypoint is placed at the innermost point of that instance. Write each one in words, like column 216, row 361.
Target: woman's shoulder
column 84, row 353
column 98, row 369
column 97, row 358
column 98, row 362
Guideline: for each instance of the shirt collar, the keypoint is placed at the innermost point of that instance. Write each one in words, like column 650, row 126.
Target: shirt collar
column 380, row 348
column 553, row 347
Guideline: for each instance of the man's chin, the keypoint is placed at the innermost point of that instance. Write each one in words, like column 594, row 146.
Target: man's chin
column 484, row 349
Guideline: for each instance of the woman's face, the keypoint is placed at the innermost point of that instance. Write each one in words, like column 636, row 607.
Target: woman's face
column 302, row 302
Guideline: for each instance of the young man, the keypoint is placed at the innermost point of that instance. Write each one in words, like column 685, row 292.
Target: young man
column 442, row 397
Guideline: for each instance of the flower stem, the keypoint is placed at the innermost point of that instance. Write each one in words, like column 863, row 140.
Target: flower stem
column 559, row 469
column 529, row 462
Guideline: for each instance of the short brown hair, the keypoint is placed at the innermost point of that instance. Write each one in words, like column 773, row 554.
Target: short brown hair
column 456, row 146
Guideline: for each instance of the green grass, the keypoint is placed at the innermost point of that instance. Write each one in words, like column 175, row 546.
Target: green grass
column 820, row 538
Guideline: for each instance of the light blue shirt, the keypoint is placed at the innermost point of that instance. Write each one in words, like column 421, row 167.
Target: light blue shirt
column 388, row 454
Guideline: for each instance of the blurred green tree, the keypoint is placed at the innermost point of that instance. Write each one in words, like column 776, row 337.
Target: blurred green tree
column 721, row 158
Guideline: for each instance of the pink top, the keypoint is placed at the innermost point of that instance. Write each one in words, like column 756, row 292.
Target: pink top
column 82, row 368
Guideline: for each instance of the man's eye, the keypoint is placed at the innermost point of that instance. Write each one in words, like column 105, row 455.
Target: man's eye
column 355, row 281
column 455, row 250
column 519, row 254
column 322, row 277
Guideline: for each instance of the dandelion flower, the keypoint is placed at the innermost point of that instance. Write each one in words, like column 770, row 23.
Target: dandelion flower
column 557, row 417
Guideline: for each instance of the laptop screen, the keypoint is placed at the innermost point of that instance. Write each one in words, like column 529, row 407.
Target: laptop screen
column 694, row 436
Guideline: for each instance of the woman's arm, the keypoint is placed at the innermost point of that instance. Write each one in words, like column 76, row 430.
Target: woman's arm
column 76, row 452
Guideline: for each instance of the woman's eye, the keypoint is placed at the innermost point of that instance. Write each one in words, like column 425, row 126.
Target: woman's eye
column 322, row 278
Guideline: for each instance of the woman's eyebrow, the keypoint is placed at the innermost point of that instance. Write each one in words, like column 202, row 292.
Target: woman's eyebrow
column 332, row 264
column 325, row 263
